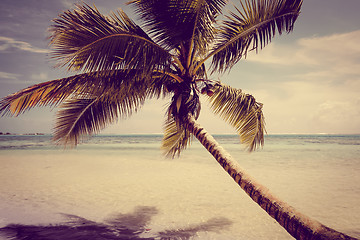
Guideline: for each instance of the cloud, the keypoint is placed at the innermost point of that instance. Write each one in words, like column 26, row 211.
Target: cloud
column 332, row 57
column 7, row 43
column 40, row 76
column 69, row 4
column 14, row 78
column 311, row 85
column 311, row 107
column 338, row 115
column 6, row 75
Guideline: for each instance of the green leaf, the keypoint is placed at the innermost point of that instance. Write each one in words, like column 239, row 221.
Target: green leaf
column 175, row 22
column 252, row 28
column 242, row 112
column 83, row 117
column 184, row 101
column 79, row 117
column 17, row 103
column 176, row 138
column 84, row 39
column 205, row 13
column 54, row 92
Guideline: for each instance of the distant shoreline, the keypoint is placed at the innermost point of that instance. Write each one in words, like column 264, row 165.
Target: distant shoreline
column 22, row 134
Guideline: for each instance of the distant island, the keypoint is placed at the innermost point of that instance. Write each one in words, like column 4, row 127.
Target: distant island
column 31, row 134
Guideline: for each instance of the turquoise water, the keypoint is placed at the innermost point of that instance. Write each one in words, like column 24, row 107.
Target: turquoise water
column 189, row 196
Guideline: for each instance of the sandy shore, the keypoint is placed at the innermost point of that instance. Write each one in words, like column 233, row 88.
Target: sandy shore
column 140, row 195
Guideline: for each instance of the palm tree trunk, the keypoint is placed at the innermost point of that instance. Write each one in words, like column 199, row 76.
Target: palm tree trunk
column 295, row 223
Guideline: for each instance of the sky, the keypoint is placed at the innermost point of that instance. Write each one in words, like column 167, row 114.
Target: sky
column 308, row 81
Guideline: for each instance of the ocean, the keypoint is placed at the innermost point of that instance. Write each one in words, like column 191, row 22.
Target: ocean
column 122, row 187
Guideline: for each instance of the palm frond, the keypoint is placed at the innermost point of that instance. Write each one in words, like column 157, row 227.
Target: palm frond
column 54, row 92
column 84, row 39
column 252, row 28
column 201, row 71
column 242, row 112
column 159, row 85
column 176, row 138
column 205, row 13
column 81, row 117
column 173, row 22
column 48, row 93
column 185, row 101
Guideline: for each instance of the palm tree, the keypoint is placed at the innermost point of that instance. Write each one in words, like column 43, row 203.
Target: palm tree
column 120, row 64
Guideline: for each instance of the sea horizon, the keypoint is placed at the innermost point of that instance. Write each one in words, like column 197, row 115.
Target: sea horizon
column 160, row 134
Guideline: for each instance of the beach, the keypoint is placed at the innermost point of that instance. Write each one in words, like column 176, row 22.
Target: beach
column 122, row 186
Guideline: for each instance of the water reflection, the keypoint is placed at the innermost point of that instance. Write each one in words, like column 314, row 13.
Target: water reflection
column 119, row 226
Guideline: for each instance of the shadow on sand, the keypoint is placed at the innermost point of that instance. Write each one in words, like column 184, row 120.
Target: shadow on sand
column 119, row 226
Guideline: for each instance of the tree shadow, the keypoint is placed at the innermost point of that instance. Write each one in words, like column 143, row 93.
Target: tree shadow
column 118, row 226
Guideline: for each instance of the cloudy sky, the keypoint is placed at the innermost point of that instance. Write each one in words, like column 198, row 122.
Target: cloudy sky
column 309, row 81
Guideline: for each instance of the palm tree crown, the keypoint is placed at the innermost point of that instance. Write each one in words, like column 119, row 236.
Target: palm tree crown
column 120, row 64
